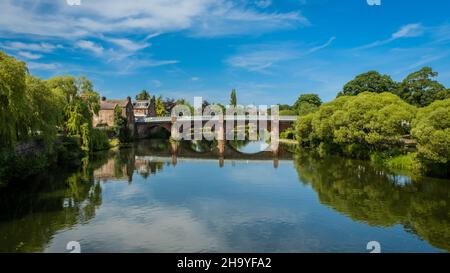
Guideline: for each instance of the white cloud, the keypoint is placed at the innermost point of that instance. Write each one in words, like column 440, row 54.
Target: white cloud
column 128, row 45
column 42, row 66
column 201, row 17
column 260, row 58
column 406, row 31
column 411, row 30
column 263, row 3
column 91, row 46
column 29, row 55
column 194, row 79
column 39, row 47
column 325, row 45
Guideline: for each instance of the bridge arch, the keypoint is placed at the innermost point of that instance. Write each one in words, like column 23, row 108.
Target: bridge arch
column 145, row 130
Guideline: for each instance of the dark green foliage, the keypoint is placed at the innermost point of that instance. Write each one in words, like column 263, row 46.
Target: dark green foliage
column 287, row 113
column 100, row 140
column 121, row 126
column 143, row 95
column 233, row 98
column 371, row 81
column 420, row 88
column 306, row 103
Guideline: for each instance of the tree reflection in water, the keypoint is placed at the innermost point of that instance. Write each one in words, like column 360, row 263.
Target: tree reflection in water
column 379, row 198
column 31, row 213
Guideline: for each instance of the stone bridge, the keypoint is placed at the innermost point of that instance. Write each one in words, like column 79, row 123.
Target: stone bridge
column 144, row 125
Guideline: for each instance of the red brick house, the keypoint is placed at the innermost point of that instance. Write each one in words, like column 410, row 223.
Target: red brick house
column 105, row 115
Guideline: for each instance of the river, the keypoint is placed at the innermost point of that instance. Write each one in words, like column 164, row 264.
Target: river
column 147, row 199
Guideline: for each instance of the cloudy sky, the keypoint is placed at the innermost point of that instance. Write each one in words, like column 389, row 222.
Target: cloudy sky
column 269, row 50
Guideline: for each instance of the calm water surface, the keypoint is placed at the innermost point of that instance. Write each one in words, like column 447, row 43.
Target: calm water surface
column 146, row 199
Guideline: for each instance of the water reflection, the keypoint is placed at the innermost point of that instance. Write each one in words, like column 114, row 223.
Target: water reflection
column 183, row 197
column 421, row 205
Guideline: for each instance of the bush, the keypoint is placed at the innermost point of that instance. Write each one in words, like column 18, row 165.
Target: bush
column 99, row 140
column 431, row 129
column 357, row 125
column 287, row 113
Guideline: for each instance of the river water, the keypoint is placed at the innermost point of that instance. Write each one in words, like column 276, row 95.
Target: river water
column 147, row 198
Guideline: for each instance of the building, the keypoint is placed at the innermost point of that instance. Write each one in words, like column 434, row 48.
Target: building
column 144, row 108
column 105, row 115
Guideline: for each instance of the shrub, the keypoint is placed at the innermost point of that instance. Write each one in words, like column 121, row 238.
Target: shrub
column 357, row 125
column 99, row 140
column 431, row 129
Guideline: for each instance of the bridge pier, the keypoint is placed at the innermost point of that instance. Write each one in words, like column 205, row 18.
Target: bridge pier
column 221, row 136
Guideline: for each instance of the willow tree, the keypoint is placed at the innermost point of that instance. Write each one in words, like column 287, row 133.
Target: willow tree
column 12, row 98
column 44, row 110
column 81, row 103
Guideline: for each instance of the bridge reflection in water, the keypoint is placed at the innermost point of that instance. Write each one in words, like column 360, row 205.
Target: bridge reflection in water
column 148, row 156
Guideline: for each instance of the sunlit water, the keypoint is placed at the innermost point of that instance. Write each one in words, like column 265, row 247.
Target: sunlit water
column 147, row 199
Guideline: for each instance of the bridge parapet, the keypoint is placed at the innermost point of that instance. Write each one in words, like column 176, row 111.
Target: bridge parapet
column 206, row 118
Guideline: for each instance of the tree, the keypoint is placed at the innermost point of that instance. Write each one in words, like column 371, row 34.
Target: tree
column 306, row 103
column 80, row 103
column 287, row 113
column 233, row 98
column 143, row 95
column 431, row 128
column 45, row 110
column 357, row 125
column 89, row 95
column 12, row 98
column 371, row 81
column 419, row 88
column 64, row 86
column 121, row 125
column 159, row 107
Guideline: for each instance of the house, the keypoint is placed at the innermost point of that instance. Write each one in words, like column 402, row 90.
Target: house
column 144, row 108
column 105, row 117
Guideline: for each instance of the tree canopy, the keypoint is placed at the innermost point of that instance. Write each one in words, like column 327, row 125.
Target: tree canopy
column 306, row 103
column 431, row 128
column 143, row 95
column 420, row 88
column 233, row 98
column 356, row 125
column 371, row 81
column 12, row 98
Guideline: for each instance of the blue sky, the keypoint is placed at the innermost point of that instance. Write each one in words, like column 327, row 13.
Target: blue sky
column 271, row 51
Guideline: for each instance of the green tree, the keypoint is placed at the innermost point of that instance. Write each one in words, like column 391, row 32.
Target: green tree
column 89, row 95
column 371, row 81
column 431, row 128
column 121, row 125
column 12, row 98
column 287, row 112
column 159, row 107
column 233, row 98
column 64, row 86
column 81, row 102
column 143, row 95
column 45, row 110
column 357, row 125
column 420, row 88
column 306, row 103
